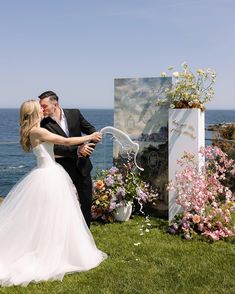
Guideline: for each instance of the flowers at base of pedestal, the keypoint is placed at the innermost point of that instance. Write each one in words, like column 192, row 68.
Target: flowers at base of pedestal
column 115, row 187
column 208, row 203
column 189, row 90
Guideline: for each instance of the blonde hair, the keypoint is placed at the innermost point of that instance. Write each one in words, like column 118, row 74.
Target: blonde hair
column 29, row 117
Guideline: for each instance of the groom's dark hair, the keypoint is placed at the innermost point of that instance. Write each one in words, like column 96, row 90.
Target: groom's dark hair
column 50, row 94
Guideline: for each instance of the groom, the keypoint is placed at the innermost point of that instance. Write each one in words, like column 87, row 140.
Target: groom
column 74, row 159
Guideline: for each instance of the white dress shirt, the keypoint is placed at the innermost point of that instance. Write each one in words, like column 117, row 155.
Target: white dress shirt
column 62, row 122
column 64, row 126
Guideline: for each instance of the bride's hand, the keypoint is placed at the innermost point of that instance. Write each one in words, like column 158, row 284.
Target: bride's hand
column 96, row 137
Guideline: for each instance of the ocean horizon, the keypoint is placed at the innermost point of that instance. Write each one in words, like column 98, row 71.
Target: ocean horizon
column 15, row 163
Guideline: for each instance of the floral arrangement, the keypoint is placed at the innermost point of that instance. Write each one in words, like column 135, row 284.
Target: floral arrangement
column 116, row 187
column 189, row 90
column 209, row 205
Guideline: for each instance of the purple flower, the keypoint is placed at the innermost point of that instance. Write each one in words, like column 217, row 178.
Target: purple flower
column 109, row 181
column 120, row 192
column 120, row 204
column 143, row 196
column 175, row 226
column 200, row 227
column 113, row 170
column 112, row 206
column 185, row 224
column 172, row 231
column 119, row 178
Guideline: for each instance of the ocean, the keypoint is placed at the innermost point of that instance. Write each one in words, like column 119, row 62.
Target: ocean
column 14, row 163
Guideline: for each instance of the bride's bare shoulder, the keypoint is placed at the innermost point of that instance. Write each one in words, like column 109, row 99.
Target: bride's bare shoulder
column 35, row 130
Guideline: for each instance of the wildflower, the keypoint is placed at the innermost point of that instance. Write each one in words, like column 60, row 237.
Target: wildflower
column 196, row 218
column 99, row 184
column 175, row 226
column 121, row 192
column 208, row 204
column 200, row 227
column 200, row 72
column 141, row 194
column 189, row 90
column 109, row 181
column 175, row 74
column 113, row 170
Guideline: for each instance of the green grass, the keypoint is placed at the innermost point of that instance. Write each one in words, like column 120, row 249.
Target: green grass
column 162, row 263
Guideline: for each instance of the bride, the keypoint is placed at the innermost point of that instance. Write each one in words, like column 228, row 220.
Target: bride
column 43, row 234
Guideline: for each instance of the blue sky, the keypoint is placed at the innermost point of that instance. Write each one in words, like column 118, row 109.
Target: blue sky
column 77, row 48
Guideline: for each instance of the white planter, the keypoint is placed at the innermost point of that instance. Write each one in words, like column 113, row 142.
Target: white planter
column 186, row 133
column 123, row 213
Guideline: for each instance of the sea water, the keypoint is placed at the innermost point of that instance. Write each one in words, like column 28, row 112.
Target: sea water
column 14, row 163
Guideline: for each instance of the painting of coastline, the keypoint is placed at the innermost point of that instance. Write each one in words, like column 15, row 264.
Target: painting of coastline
column 136, row 114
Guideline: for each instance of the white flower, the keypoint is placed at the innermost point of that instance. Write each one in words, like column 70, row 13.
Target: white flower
column 200, row 72
column 137, row 244
column 163, row 74
column 175, row 74
column 193, row 89
column 147, row 230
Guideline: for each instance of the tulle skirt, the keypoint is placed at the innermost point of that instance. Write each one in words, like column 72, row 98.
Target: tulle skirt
column 43, row 234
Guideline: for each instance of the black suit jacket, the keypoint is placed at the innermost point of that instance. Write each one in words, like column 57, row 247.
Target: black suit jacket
column 77, row 125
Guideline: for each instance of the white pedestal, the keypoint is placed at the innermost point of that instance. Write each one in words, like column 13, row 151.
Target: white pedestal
column 186, row 133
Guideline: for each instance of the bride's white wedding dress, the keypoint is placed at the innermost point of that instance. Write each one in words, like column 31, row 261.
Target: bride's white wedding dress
column 43, row 234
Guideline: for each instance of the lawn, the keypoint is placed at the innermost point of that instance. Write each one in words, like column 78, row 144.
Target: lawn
column 154, row 262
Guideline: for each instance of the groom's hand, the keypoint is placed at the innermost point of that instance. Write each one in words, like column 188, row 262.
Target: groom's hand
column 86, row 149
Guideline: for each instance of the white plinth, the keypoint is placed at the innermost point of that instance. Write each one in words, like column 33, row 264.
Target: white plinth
column 186, row 133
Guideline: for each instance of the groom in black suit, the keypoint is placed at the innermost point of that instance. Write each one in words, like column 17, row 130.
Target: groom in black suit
column 74, row 159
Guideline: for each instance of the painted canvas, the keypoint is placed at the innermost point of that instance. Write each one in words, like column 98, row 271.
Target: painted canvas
column 136, row 114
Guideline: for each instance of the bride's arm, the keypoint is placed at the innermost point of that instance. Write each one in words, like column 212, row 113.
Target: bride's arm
column 46, row 136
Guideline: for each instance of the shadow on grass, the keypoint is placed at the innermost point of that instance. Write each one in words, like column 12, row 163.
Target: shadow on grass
column 160, row 224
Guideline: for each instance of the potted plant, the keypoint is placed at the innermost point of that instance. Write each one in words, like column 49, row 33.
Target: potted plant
column 116, row 190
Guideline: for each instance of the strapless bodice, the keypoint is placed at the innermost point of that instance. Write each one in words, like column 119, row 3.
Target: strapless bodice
column 44, row 154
